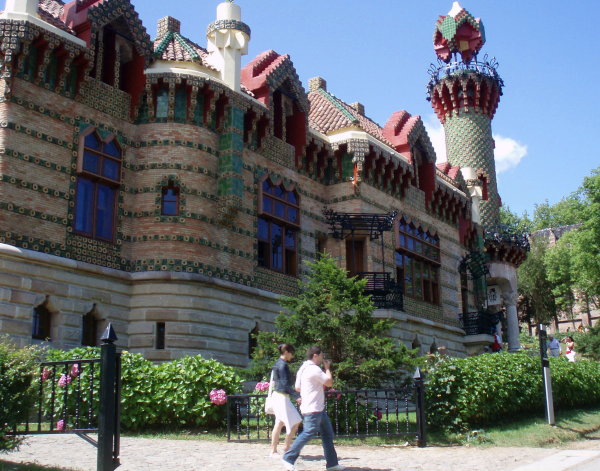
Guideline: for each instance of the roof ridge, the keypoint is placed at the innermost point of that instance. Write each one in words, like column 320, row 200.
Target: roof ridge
column 336, row 102
column 185, row 44
column 164, row 41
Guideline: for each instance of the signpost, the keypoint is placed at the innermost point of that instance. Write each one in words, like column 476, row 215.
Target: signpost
column 549, row 401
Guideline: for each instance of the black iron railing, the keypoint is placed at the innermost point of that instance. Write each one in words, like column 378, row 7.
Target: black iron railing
column 353, row 413
column 81, row 397
column 487, row 67
column 476, row 323
column 506, row 235
column 385, row 292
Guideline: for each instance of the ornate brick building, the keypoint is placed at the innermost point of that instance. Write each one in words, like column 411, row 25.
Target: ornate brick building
column 162, row 187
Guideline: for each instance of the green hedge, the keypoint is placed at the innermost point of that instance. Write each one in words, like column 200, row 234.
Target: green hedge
column 172, row 394
column 463, row 393
column 17, row 393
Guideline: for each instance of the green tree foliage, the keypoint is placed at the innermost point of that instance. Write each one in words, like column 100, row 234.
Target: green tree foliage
column 17, row 392
column 332, row 311
column 534, row 286
column 588, row 343
column 566, row 212
column 517, row 223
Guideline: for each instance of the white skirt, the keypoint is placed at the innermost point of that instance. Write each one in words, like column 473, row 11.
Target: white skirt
column 285, row 411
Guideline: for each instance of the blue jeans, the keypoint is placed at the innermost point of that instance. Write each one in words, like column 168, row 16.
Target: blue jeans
column 312, row 424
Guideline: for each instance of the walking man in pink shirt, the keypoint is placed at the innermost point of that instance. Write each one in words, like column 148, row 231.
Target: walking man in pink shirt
column 310, row 381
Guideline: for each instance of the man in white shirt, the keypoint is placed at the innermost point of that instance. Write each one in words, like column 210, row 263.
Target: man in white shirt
column 310, row 381
column 553, row 346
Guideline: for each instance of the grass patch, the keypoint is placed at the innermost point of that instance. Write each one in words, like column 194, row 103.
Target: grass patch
column 572, row 425
column 10, row 466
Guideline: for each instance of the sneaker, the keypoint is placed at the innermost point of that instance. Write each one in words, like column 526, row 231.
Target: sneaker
column 337, row 467
column 274, row 455
column 288, row 466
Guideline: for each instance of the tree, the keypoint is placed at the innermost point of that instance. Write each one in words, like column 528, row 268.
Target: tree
column 538, row 304
column 332, row 311
column 566, row 212
column 519, row 224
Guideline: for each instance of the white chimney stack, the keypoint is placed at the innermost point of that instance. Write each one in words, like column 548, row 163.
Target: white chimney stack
column 24, row 7
column 228, row 39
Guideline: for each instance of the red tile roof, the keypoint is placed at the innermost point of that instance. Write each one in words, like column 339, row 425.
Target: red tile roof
column 175, row 47
column 328, row 114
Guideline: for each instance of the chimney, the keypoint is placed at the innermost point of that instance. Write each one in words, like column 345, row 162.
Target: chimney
column 168, row 24
column 228, row 39
column 359, row 107
column 27, row 7
column 316, row 83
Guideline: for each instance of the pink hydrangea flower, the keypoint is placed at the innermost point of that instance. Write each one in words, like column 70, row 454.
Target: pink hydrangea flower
column 332, row 392
column 378, row 414
column 262, row 386
column 64, row 380
column 60, row 425
column 218, row 397
column 46, row 373
column 75, row 370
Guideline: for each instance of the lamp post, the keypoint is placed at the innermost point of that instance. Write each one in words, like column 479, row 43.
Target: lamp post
column 548, row 399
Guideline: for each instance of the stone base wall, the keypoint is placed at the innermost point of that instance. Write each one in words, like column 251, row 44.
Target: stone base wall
column 201, row 315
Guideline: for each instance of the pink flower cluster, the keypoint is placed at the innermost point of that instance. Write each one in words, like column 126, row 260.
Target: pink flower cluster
column 262, row 386
column 218, row 397
column 64, row 380
column 46, row 373
column 60, row 425
column 75, row 370
column 333, row 393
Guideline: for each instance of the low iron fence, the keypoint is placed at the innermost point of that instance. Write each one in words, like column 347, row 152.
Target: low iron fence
column 353, row 414
column 81, row 397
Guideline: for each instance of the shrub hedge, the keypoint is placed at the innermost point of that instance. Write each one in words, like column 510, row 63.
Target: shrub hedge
column 463, row 393
column 172, row 394
column 17, row 371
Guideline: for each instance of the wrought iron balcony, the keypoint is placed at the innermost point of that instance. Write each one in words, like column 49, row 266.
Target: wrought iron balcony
column 487, row 67
column 505, row 244
column 385, row 292
column 476, row 323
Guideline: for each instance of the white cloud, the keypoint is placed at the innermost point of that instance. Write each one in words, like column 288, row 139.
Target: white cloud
column 508, row 152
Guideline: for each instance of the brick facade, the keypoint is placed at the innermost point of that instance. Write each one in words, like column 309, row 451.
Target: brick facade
column 196, row 271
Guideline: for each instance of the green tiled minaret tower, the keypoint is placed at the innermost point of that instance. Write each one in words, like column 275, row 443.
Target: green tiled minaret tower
column 464, row 94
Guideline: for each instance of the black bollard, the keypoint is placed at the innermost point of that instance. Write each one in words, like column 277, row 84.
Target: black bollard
column 421, row 416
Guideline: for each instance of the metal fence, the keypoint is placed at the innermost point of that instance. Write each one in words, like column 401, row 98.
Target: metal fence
column 81, row 397
column 353, row 413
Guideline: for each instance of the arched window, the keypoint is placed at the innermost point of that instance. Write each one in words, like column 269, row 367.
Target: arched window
column 278, row 227
column 98, row 181
column 42, row 323
column 169, row 203
column 89, row 329
column 418, row 262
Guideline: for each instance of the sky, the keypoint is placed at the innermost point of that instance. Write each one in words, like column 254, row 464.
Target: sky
column 378, row 52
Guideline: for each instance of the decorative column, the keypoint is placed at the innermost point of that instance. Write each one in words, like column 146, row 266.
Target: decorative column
column 230, row 182
column 510, row 302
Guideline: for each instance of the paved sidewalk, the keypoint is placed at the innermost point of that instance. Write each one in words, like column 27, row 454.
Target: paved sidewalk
column 142, row 454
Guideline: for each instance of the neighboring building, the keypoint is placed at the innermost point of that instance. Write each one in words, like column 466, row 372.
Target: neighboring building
column 585, row 311
column 160, row 186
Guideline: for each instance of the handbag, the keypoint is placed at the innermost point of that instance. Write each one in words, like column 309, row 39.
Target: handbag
column 269, row 399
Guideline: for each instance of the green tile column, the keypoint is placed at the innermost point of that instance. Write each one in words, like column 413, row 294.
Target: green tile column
column 230, row 181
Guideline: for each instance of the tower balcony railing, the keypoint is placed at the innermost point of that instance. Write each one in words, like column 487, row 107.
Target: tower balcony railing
column 487, row 67
column 477, row 323
column 506, row 244
column 385, row 292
